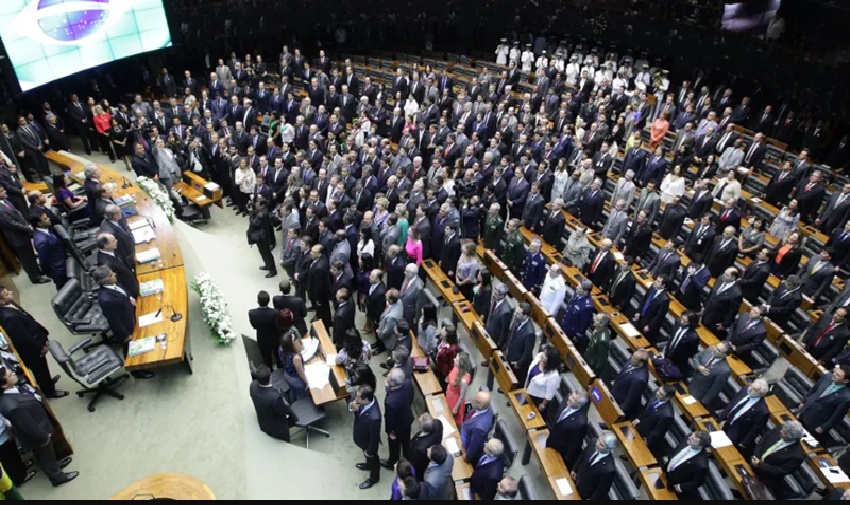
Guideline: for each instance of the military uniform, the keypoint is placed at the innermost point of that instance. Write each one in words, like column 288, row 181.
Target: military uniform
column 514, row 253
column 596, row 354
column 493, row 229
column 534, row 270
column 578, row 317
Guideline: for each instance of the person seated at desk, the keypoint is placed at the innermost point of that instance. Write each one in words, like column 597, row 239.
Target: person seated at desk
column 64, row 196
column 778, row 454
column 688, row 465
column 655, row 421
column 543, row 378
column 826, row 403
column 569, row 428
column 430, row 434
column 293, row 366
column 711, row 373
column 595, row 468
column 355, row 351
column 438, row 476
column 274, row 414
column 489, row 470
column 746, row 416
column 629, row 385
column 476, row 427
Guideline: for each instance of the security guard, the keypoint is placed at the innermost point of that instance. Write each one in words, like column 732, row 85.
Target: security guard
column 534, row 272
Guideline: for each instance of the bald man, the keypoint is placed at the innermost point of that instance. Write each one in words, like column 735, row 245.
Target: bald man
column 476, row 427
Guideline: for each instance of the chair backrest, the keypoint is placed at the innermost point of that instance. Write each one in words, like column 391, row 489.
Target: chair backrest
column 503, row 433
column 525, row 489
column 63, row 358
column 69, row 244
column 65, row 299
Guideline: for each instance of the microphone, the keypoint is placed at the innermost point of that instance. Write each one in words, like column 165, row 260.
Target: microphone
column 175, row 316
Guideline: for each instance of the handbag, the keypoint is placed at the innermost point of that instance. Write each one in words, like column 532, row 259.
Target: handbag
column 667, row 371
column 422, row 364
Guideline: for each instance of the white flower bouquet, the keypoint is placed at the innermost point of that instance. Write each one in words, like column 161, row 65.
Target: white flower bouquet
column 214, row 308
column 157, row 194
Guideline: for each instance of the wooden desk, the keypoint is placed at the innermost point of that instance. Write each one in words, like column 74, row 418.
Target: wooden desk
column 728, row 457
column 482, row 339
column 330, row 392
column 820, row 465
column 522, row 407
column 177, row 348
column 553, row 465
column 427, row 380
column 649, row 476
column 464, row 491
column 444, row 284
column 633, row 444
column 34, row 186
column 166, row 486
column 608, row 409
column 466, row 314
column 194, row 188
column 438, row 407
column 502, row 372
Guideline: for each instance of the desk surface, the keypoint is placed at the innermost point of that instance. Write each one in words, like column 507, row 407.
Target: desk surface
column 522, row 407
column 636, row 449
column 728, row 457
column 438, row 407
column 553, row 465
column 166, row 486
column 649, row 476
column 327, row 393
column 444, row 285
column 176, row 296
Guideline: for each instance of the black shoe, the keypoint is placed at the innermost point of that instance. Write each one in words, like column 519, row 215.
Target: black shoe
column 29, row 463
column 384, row 366
column 58, row 394
column 264, row 267
column 67, row 477
column 64, row 462
column 362, row 466
column 377, row 352
column 56, row 378
column 366, row 484
column 386, row 464
column 28, row 477
column 271, row 274
column 40, row 280
column 142, row 374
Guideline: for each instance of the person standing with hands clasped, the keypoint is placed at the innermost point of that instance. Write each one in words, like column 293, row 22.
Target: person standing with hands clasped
column 367, row 432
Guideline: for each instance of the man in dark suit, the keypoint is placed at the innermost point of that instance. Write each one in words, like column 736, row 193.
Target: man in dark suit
column 499, row 317
column 476, row 427
column 489, row 470
column 672, row 219
column 32, row 425
column 722, row 253
column 450, row 251
column 554, row 223
column 595, row 469
column 688, row 465
column 746, row 416
column 777, row 454
column 747, row 334
column 630, row 383
column 274, row 414
column 18, row 233
column 826, row 403
column 723, row 302
column 623, row 285
column 729, row 216
column 653, row 310
column 263, row 319
column 367, row 433
column 809, row 195
column 701, row 202
column 839, row 241
column 666, row 263
column 755, row 276
column 779, row 189
column 656, row 419
column 684, row 342
column 114, row 224
column 343, row 317
column 784, row 301
column 591, row 204
column 118, row 309
column 828, row 337
column 517, row 194
column 398, row 415
column 836, row 211
column 79, row 121
column 430, row 433
column 700, row 240
column 294, row 303
column 817, row 276
column 319, row 284
column 51, row 253
column 30, row 340
column 108, row 256
column 600, row 270
column 520, row 345
column 690, row 290
column 569, row 427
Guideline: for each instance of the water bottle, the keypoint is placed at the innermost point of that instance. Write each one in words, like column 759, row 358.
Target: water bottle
column 163, row 343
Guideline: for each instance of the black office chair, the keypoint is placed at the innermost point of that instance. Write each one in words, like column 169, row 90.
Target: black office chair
column 308, row 415
column 92, row 371
column 524, row 488
column 79, row 252
column 78, row 311
column 502, row 433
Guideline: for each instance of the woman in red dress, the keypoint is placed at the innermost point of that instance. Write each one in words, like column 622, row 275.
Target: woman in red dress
column 456, row 385
column 446, row 352
column 658, row 130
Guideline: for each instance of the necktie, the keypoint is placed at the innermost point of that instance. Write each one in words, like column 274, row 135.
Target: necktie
column 738, row 409
column 828, row 329
column 710, row 362
column 596, row 262
column 565, row 414
column 808, row 187
column 773, row 448
column 595, row 458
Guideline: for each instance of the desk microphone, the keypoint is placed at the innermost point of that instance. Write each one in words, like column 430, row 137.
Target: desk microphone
column 175, row 316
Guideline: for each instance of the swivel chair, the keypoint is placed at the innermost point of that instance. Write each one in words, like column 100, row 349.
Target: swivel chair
column 93, row 371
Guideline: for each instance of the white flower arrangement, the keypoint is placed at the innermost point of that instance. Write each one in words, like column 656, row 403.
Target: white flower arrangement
column 214, row 308
column 160, row 197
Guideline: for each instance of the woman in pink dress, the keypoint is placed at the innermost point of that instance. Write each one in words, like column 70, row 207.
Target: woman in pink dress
column 413, row 248
column 658, row 130
column 456, row 385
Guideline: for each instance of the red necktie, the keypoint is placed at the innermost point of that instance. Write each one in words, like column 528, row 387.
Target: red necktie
column 596, row 263
column 726, row 214
column 808, row 187
column 828, row 329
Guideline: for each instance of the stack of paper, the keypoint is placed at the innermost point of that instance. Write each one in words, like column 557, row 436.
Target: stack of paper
column 143, row 235
column 138, row 223
column 564, row 487
column 719, row 439
column 151, row 287
column 451, row 446
column 629, row 330
column 835, row 475
column 142, row 345
column 317, row 374
column 151, row 254
column 200, row 198
column 309, row 348
column 448, row 427
column 689, row 400
column 211, row 186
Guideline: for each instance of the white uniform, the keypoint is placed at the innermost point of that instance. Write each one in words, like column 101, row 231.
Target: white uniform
column 542, row 64
column 513, row 56
column 527, row 60
column 552, row 294
column 502, row 54
column 572, row 72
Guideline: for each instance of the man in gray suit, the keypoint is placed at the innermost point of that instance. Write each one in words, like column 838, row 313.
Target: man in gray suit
column 438, row 474
column 167, row 168
column 666, row 263
column 386, row 324
column 342, row 249
column 618, row 222
column 390, row 235
column 224, row 74
column 625, row 189
column 712, row 371
column 649, row 202
column 411, row 294
column 817, row 276
column 290, row 251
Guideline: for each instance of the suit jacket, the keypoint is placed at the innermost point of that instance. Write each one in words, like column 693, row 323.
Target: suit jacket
column 343, row 320
column 273, row 413
column 126, row 278
column 126, row 243
column 594, row 482
column 773, row 469
column 816, row 282
column 782, row 304
column 721, row 255
column 520, row 345
column 30, row 420
column 700, row 204
column 298, row 307
column 746, row 335
column 664, row 264
column 474, row 433
column 671, row 221
column 567, row 435
column 604, row 272
column 689, row 475
column 809, row 201
column 533, row 211
column 27, row 335
column 616, row 226
column 367, row 429
column 419, row 444
column 834, row 215
column 398, row 410
column 721, row 308
column 824, row 345
column 824, row 412
column 119, row 313
column 499, row 323
column 639, row 239
column 652, row 311
column 376, row 301
column 14, row 226
column 485, row 478
column 628, row 388
column 411, row 299
column 450, row 254
column 748, row 425
column 621, row 293
column 263, row 320
column 683, row 350
column 553, row 228
column 690, row 294
column 654, row 424
column 778, row 191
column 707, row 388
column 319, row 281
column 590, row 207
column 439, row 478
column 753, row 279
column 51, row 254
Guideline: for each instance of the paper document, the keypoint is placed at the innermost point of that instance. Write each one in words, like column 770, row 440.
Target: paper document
column 317, row 374
column 629, row 330
column 138, row 223
column 689, row 400
column 211, row 186
column 330, row 359
column 151, row 254
column 151, row 287
column 564, row 486
column 141, row 346
column 467, row 493
column 143, row 235
column 448, row 427
column 719, row 439
column 309, row 348
column 619, row 256
column 438, row 406
column 688, row 222
column 149, row 319
column 124, row 199
column 200, row 198
column 755, row 200
column 835, row 475
column 451, row 446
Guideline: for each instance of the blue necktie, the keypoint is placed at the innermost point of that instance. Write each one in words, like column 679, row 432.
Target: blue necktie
column 647, row 303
